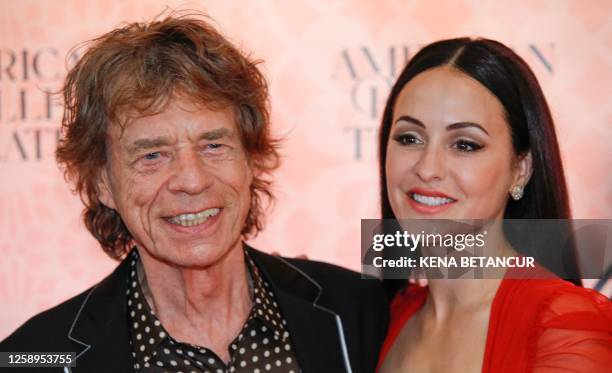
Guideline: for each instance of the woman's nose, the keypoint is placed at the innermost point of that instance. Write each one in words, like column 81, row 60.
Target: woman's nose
column 431, row 164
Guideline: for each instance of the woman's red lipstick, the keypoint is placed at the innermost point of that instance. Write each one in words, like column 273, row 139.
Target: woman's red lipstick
column 428, row 201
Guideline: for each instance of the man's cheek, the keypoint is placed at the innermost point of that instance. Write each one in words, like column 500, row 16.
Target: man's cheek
column 141, row 191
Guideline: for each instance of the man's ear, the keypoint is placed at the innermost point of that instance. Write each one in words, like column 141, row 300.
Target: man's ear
column 253, row 171
column 104, row 189
column 524, row 169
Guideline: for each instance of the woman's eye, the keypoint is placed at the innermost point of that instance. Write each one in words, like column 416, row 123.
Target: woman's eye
column 467, row 146
column 407, row 139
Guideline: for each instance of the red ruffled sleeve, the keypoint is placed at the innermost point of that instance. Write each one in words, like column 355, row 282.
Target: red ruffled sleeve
column 574, row 333
column 547, row 326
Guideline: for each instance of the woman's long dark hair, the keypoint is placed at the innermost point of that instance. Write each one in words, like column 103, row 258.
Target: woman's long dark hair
column 510, row 79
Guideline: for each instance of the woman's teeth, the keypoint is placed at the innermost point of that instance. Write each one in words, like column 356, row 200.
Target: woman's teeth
column 189, row 220
column 430, row 201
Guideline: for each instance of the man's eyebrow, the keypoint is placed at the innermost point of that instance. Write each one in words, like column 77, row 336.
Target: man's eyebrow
column 459, row 125
column 143, row 144
column 215, row 134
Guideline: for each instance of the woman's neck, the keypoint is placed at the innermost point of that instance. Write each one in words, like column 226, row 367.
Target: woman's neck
column 450, row 296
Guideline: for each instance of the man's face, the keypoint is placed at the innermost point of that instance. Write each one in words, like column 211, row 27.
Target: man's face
column 180, row 181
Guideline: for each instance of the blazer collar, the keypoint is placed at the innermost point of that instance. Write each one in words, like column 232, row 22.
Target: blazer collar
column 101, row 337
column 316, row 331
column 285, row 276
column 99, row 331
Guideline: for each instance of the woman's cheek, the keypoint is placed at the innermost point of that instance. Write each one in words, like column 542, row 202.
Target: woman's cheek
column 398, row 169
column 484, row 184
column 400, row 176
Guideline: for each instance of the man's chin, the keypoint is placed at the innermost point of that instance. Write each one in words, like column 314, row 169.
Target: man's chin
column 191, row 256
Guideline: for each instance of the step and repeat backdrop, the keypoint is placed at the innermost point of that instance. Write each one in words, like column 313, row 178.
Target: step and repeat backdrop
column 330, row 65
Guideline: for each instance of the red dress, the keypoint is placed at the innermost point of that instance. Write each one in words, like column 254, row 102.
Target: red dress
column 546, row 325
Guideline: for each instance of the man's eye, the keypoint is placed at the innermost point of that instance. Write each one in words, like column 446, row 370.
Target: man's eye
column 152, row 156
column 467, row 146
column 407, row 139
column 215, row 148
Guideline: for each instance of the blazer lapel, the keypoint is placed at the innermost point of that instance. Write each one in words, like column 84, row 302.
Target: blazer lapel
column 100, row 334
column 316, row 332
column 99, row 331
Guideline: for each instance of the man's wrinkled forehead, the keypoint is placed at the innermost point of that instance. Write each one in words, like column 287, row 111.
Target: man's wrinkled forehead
column 143, row 109
column 142, row 134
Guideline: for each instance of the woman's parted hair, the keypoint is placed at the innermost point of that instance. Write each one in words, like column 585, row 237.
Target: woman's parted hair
column 136, row 70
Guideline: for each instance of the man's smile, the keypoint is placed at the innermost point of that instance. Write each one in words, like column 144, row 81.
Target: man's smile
column 192, row 219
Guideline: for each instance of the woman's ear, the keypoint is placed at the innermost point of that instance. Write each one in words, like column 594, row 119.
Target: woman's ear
column 522, row 173
column 105, row 190
column 524, row 169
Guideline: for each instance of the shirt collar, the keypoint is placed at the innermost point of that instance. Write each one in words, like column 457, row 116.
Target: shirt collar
column 265, row 307
column 147, row 332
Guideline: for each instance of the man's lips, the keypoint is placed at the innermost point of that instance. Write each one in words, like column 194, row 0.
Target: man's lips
column 192, row 218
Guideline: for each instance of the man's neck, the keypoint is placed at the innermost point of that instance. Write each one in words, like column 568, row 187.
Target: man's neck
column 203, row 306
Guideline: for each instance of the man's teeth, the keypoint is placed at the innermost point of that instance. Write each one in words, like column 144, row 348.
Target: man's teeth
column 189, row 220
column 431, row 201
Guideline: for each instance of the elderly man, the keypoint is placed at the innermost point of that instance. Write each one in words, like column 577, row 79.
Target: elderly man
column 167, row 140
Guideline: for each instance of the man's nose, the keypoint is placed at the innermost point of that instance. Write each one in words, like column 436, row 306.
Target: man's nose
column 190, row 174
column 431, row 164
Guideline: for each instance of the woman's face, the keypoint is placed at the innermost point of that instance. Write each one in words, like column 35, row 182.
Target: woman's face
column 450, row 154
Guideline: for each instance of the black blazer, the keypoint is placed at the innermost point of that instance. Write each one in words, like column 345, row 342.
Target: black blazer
column 337, row 320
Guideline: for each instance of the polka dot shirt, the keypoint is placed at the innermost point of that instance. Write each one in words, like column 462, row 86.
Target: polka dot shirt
column 263, row 345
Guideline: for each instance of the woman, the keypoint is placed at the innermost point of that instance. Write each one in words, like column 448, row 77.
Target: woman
column 467, row 134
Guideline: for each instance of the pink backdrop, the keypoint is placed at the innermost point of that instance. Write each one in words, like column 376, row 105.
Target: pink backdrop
column 329, row 64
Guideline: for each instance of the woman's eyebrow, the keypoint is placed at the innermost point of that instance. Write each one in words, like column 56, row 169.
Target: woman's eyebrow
column 459, row 125
column 450, row 127
column 408, row 118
